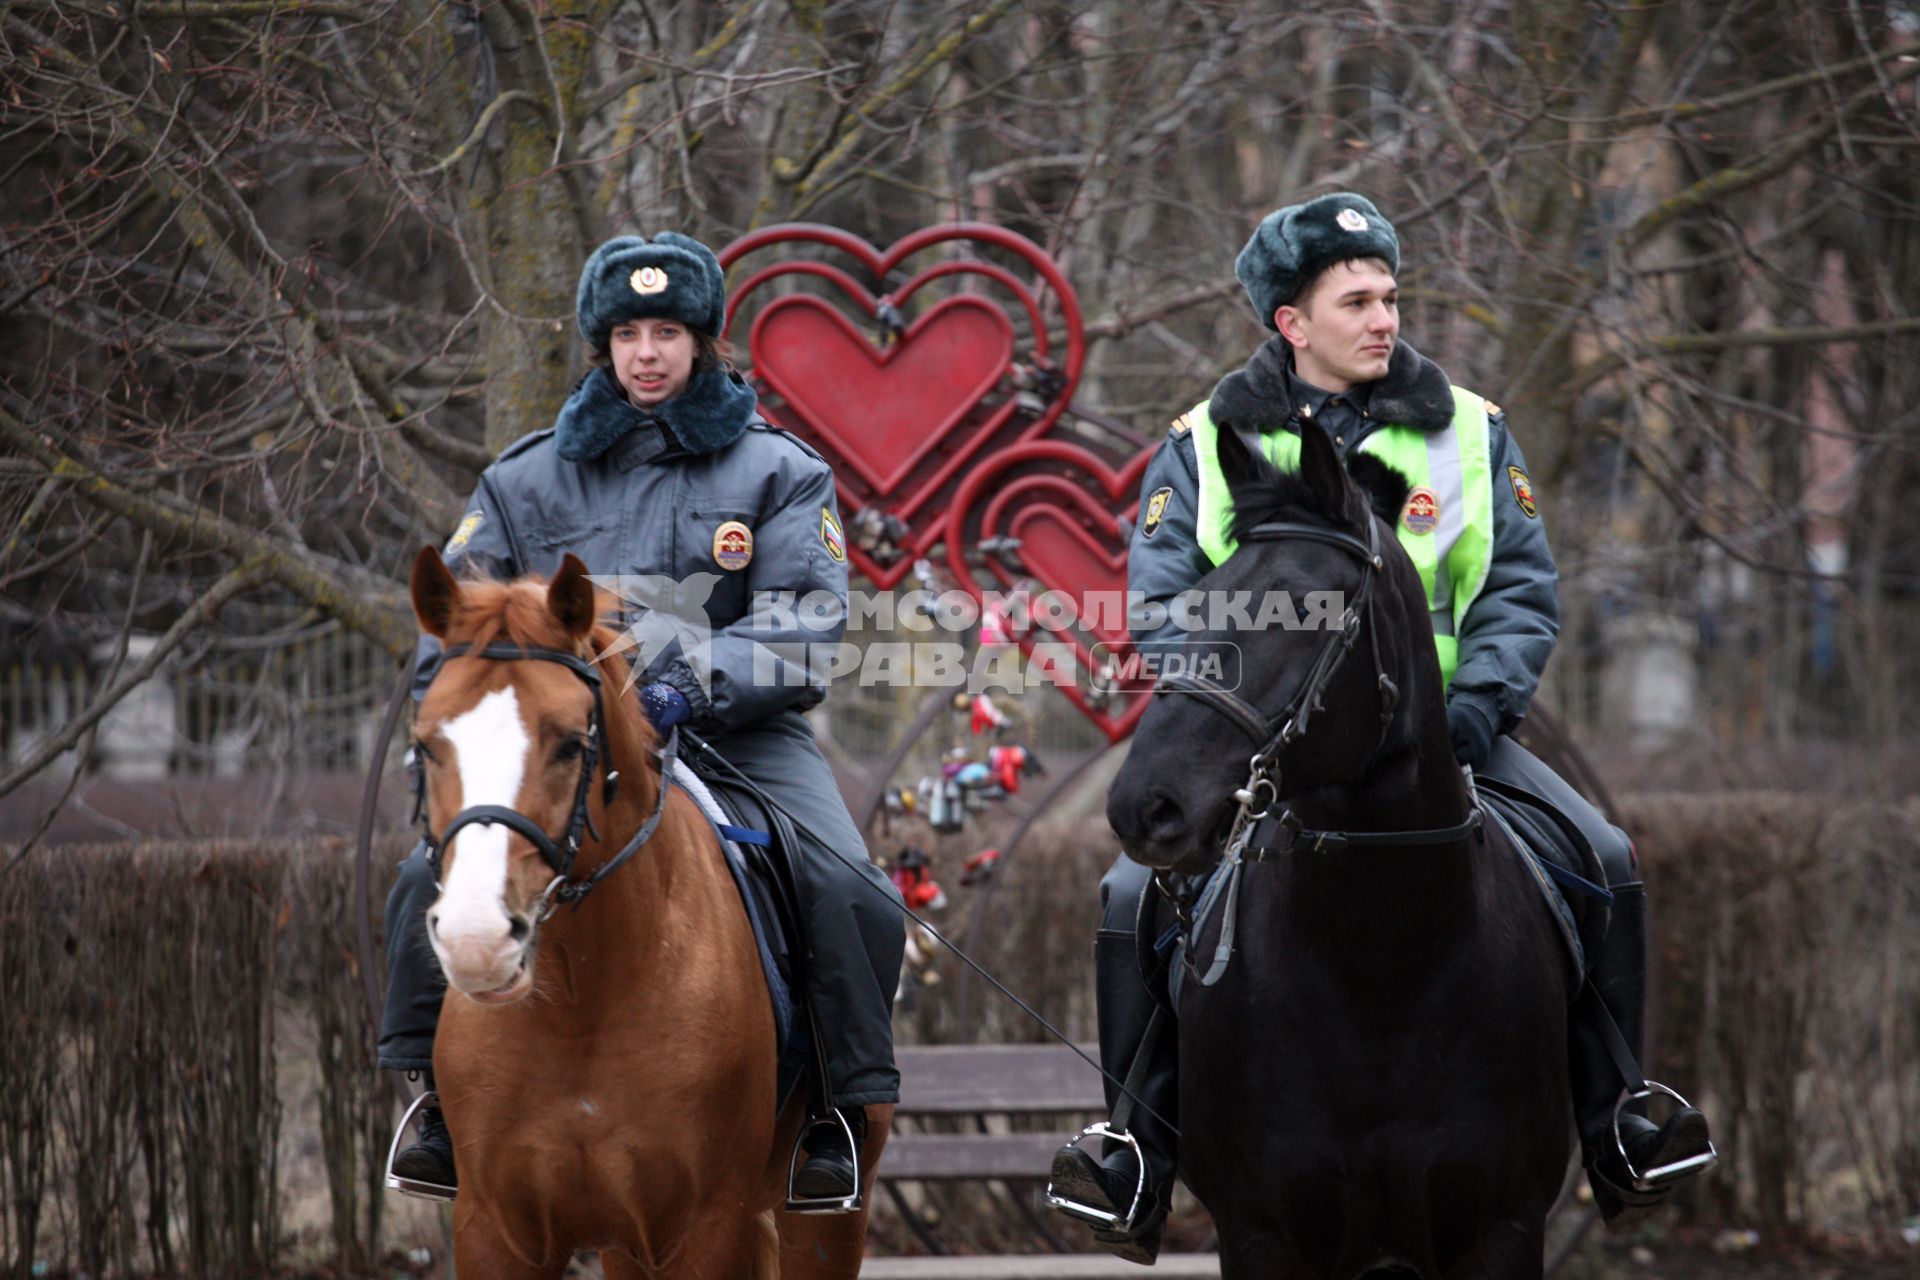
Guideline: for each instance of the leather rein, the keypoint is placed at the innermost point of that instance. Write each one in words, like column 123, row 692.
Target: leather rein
column 1260, row 833
column 558, row 854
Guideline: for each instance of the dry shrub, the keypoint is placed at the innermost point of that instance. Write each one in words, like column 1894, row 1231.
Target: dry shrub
column 177, row 1018
column 146, row 990
column 1786, row 955
column 1785, row 991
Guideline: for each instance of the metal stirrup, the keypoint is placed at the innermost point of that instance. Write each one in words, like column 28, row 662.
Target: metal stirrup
column 1660, row 1175
column 413, row 1186
column 1117, row 1130
column 1123, row 1223
column 823, row 1204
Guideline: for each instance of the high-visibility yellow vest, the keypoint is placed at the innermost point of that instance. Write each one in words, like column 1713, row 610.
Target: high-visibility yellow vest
column 1447, row 527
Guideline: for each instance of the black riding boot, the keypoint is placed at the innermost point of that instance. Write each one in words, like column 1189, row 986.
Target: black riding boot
column 1126, row 1009
column 430, row 1159
column 1619, row 974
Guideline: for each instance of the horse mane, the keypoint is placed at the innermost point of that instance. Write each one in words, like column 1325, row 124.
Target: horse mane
column 516, row 613
column 1273, row 495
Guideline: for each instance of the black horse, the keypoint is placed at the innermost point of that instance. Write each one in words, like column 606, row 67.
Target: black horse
column 1377, row 1081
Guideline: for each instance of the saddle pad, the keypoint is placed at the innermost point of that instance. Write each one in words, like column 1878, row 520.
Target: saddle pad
column 1514, row 821
column 768, row 938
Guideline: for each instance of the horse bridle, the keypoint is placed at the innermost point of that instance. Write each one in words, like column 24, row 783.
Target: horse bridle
column 1291, row 724
column 559, row 854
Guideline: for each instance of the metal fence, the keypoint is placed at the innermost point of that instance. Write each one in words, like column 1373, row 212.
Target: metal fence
column 310, row 702
column 307, row 702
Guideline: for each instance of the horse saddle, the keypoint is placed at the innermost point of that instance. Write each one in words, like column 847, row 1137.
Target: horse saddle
column 751, row 839
column 1559, row 857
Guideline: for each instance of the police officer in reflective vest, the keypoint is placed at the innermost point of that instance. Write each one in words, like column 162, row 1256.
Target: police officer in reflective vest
column 1321, row 274
column 660, row 467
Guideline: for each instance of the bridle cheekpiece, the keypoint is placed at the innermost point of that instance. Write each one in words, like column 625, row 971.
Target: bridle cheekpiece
column 559, row 855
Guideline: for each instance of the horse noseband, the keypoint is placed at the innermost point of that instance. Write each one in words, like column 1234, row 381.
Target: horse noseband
column 559, row 854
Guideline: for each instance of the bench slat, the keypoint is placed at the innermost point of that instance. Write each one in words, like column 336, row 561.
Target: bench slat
column 947, row 1157
column 1058, row 1266
column 1011, row 1079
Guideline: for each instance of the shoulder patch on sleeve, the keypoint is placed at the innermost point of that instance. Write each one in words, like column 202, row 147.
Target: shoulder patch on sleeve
column 1523, row 492
column 831, row 537
column 1493, row 410
column 1181, row 425
column 1155, row 511
column 464, row 534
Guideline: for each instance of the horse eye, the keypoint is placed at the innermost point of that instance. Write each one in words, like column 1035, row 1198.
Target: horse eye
column 568, row 751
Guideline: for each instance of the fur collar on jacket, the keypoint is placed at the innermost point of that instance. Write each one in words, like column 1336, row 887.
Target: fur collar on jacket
column 708, row 416
column 1414, row 391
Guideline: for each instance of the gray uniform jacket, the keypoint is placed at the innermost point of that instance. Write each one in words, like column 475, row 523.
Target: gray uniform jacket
column 650, row 508
column 1508, row 633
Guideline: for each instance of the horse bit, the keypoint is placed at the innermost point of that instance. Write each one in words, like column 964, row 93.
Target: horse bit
column 1263, row 769
column 559, row 855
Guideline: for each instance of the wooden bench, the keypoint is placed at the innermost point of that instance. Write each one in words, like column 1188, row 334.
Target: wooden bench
column 977, row 1081
column 1054, row 1266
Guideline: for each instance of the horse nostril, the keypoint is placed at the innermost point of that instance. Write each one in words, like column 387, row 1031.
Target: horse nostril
column 433, row 925
column 519, row 929
column 1165, row 816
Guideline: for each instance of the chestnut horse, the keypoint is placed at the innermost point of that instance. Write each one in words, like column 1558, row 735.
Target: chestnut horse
column 607, row 1071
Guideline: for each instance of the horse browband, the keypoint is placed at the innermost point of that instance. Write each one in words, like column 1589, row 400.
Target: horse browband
column 557, row 855
column 1291, row 723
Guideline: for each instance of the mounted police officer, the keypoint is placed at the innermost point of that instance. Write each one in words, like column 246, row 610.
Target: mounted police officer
column 659, row 465
column 1321, row 274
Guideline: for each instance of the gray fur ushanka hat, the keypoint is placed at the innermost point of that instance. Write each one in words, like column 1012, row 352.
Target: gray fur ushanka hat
column 1293, row 245
column 668, row 277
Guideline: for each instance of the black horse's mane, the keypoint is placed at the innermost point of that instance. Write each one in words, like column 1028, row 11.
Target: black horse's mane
column 1275, row 495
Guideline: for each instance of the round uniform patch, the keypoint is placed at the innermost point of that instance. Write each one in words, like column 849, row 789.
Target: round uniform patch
column 732, row 545
column 647, row 281
column 1351, row 220
column 1422, row 512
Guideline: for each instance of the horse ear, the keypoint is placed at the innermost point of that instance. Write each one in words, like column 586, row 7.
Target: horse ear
column 1325, row 474
column 435, row 593
column 570, row 597
column 1239, row 465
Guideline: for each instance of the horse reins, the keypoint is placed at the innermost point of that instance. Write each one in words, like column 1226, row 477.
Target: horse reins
column 559, row 854
column 1261, row 834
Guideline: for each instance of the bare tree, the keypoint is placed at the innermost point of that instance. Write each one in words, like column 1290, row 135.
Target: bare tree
column 281, row 278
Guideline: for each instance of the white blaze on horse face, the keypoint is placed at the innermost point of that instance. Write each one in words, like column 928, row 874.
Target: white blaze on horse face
column 490, row 746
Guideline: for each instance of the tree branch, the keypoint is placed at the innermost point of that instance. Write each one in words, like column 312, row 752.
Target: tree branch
column 1676, row 112
column 364, row 601
column 812, row 175
column 201, row 612
column 1695, row 343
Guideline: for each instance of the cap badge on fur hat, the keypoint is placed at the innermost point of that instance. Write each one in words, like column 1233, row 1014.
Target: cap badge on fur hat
column 667, row 277
column 1292, row 246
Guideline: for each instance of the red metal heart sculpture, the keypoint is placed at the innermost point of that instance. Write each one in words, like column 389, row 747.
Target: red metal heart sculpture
column 1064, row 505
column 883, row 412
column 901, row 426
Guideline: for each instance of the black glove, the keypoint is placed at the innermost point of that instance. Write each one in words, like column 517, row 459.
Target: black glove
column 1472, row 733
